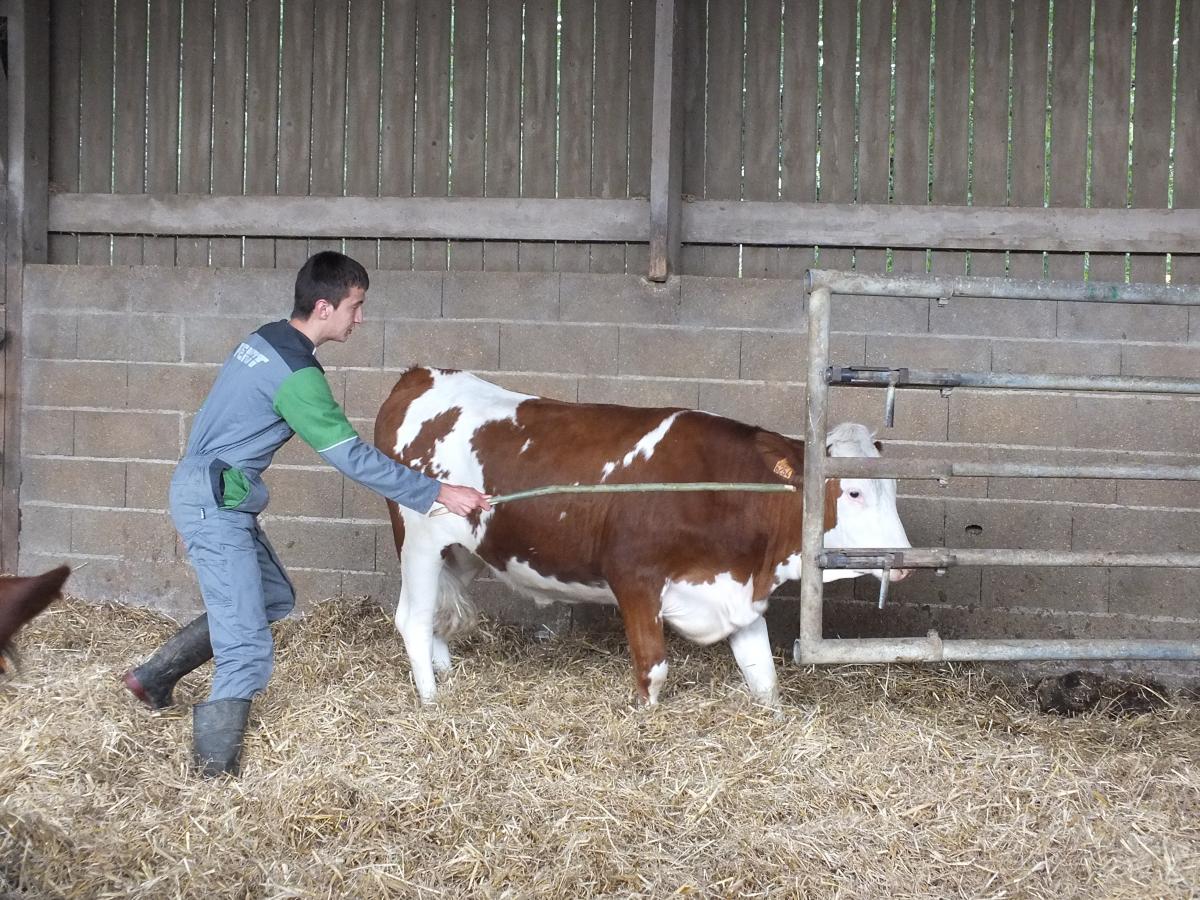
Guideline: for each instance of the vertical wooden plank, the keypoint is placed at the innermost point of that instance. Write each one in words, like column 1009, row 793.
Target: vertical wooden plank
column 952, row 79
column 874, row 117
column 96, row 122
column 162, row 118
column 431, row 164
column 723, row 117
column 641, row 76
column 837, row 119
column 666, row 172
column 396, row 154
column 760, row 154
column 502, row 147
column 229, row 117
column 610, row 103
column 326, row 167
column 1031, row 24
column 1152, row 122
column 990, row 162
column 1068, row 112
column 575, row 120
column 262, row 108
column 1185, row 269
column 798, row 152
column 537, row 92
column 694, row 30
column 195, row 136
column 466, row 151
column 912, row 117
column 1110, row 123
column 129, row 131
column 64, row 101
column 295, row 118
column 362, row 114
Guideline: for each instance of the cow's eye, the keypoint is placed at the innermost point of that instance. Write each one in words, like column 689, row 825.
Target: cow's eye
column 854, row 495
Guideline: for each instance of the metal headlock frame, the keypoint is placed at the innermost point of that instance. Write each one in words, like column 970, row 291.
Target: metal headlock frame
column 811, row 647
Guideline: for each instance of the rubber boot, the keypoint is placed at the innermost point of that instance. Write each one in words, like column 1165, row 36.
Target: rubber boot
column 217, row 729
column 153, row 681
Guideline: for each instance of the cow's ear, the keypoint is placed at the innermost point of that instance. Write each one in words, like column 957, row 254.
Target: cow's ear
column 783, row 457
column 879, row 446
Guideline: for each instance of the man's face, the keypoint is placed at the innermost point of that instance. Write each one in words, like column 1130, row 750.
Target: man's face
column 343, row 318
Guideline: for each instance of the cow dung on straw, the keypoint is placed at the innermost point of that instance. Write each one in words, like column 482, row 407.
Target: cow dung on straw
column 535, row 776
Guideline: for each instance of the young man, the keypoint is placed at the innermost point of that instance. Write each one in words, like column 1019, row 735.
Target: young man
column 270, row 388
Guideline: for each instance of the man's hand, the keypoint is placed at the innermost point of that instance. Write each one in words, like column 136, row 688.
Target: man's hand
column 462, row 500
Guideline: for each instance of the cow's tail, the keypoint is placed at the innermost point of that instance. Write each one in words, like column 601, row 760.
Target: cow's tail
column 456, row 614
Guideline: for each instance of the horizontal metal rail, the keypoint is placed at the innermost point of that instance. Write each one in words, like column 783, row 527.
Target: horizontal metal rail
column 938, row 470
column 933, row 649
column 947, row 557
column 864, row 376
column 936, row 287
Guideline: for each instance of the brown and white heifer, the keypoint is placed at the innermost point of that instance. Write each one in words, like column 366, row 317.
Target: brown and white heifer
column 703, row 562
column 22, row 598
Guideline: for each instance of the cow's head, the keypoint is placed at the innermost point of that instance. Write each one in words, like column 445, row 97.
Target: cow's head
column 866, row 507
column 23, row 598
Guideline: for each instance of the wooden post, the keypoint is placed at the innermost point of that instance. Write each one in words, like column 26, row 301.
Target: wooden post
column 666, row 144
column 27, row 111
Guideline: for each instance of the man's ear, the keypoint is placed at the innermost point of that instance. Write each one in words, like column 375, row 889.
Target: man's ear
column 780, row 456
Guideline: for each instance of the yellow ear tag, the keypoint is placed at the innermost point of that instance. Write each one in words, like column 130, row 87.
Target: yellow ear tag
column 783, row 470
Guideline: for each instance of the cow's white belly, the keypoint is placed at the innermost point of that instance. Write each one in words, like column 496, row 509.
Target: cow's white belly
column 709, row 612
column 545, row 589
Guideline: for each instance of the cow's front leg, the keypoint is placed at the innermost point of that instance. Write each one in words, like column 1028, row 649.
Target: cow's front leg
column 420, row 571
column 752, row 650
column 647, row 644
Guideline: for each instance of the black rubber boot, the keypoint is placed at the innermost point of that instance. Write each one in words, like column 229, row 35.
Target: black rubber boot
column 153, row 681
column 217, row 729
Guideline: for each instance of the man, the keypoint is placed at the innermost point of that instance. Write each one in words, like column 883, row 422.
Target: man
column 269, row 388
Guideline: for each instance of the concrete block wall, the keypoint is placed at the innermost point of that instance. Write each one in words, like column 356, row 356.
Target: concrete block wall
column 119, row 358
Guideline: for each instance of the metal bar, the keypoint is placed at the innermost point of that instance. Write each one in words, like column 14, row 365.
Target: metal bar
column 934, row 649
column 647, row 487
column 937, row 470
column 936, row 287
column 858, row 376
column 946, row 557
column 815, row 433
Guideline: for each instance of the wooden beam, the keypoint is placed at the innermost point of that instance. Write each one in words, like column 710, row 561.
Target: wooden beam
column 666, row 144
column 27, row 105
column 773, row 223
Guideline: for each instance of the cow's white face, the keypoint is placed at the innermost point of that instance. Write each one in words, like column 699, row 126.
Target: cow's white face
column 866, row 508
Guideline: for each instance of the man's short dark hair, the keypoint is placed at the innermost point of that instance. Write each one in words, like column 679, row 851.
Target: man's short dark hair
column 327, row 275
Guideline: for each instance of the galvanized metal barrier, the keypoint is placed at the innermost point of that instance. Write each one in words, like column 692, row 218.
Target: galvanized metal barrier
column 810, row 647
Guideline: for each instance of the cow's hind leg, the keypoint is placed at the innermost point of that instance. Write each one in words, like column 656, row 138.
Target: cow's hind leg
column 640, row 610
column 752, row 650
column 420, row 572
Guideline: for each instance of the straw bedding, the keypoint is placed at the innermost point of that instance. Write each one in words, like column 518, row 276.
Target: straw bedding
column 535, row 776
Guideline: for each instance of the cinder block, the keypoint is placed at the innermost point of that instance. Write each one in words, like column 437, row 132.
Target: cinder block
column 210, row 340
column 404, row 295
column 1077, row 490
column 1155, row 592
column 44, row 529
column 733, row 302
column 87, row 482
column 777, row 407
column 365, row 390
column 924, row 520
column 69, row 383
column 377, row 586
column 679, row 352
column 630, row 391
column 1122, row 321
column 297, row 453
column 1056, row 357
column 139, row 337
column 929, row 352
column 993, row 318
column 1137, row 530
column 266, row 293
column 1169, row 360
column 446, row 344
column 554, row 387
column 619, row 299
column 920, row 415
column 500, row 295
column 1008, row 525
column 178, row 290
column 123, row 533
column 958, row 585
column 50, row 336
column 879, row 315
column 48, row 431
column 304, row 492
column 576, row 349
column 180, row 388
column 783, row 355
column 76, row 288
column 147, row 484
column 313, row 587
column 128, row 434
column 324, row 545
column 956, row 487
column 168, row 586
column 364, row 348
column 360, row 503
column 1177, row 494
column 386, row 557
column 1072, row 590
